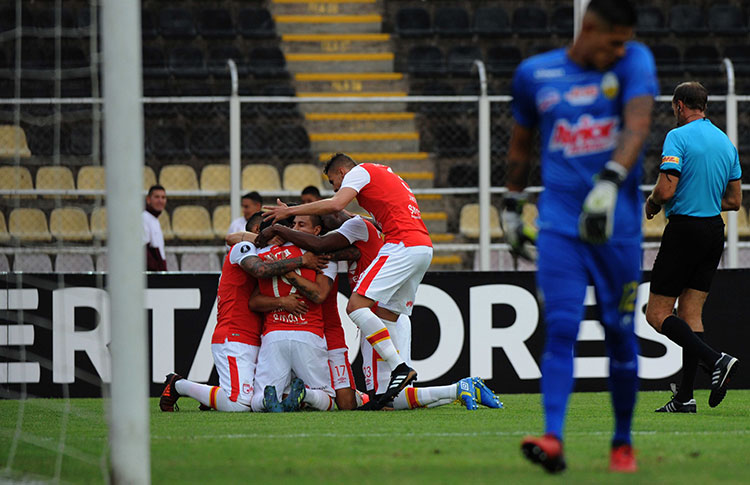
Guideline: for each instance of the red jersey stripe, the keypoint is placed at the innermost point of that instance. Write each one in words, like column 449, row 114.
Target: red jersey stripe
column 234, row 378
column 365, row 284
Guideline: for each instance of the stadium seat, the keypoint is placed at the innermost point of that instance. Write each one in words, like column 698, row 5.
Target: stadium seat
column 32, row 263
column 687, row 20
column 215, row 177
column 452, row 22
column 256, row 23
column 172, row 262
column 73, row 263
column 413, row 22
column 41, row 139
column 667, row 59
column 28, row 225
column 154, row 63
column 15, row 178
column 192, row 222
column 254, row 141
column 260, row 177
column 297, row 176
column 654, row 228
column 149, row 177
column 80, row 139
column 469, row 222
column 463, row 175
column 649, row 256
column 101, row 262
column 434, row 88
column 502, row 60
column 178, row 177
column 91, row 177
column 69, row 224
column 176, row 23
column 276, row 111
column 215, row 23
column 529, row 214
column 650, row 22
column 461, row 60
column 561, row 21
column 210, row 140
column 217, row 61
column 703, row 60
column 199, row 262
column 99, row 222
column 149, row 24
column 54, row 178
column 290, row 141
column 740, row 56
column 425, row 60
column 4, row 265
column 166, row 225
column 451, row 140
column 221, row 219
column 726, row 20
column 530, row 21
column 268, row 62
column 4, row 234
column 13, row 142
column 167, row 142
column 491, row 22
column 187, row 62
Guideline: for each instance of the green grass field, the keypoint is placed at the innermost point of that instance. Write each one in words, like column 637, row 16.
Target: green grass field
column 441, row 445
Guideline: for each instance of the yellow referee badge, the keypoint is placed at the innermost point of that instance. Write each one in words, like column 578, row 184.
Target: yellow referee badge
column 610, row 85
column 670, row 159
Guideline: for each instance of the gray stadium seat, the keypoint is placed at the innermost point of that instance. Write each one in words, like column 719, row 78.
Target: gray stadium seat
column 73, row 263
column 32, row 263
column 200, row 262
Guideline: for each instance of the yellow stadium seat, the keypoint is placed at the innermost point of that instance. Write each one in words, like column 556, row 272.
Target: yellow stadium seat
column 99, row 222
column 4, row 234
column 260, row 177
column 655, row 227
column 178, row 177
column 16, row 178
column 13, row 142
column 529, row 214
column 91, row 178
column 469, row 222
column 166, row 225
column 743, row 229
column 149, row 177
column 215, row 177
column 191, row 222
column 297, row 176
column 28, row 225
column 221, row 220
column 55, row 178
column 69, row 224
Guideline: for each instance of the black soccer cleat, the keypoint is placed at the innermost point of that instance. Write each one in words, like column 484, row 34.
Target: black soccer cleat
column 401, row 377
column 675, row 406
column 270, row 401
column 546, row 451
column 169, row 396
column 724, row 369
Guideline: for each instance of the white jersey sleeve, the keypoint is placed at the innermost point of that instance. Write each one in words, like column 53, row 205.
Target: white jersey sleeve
column 331, row 270
column 354, row 229
column 242, row 250
column 356, row 178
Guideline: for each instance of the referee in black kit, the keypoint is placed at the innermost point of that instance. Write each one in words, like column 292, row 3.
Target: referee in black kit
column 699, row 177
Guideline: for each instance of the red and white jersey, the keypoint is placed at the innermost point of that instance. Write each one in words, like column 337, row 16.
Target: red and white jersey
column 333, row 330
column 365, row 237
column 391, row 202
column 278, row 286
column 235, row 322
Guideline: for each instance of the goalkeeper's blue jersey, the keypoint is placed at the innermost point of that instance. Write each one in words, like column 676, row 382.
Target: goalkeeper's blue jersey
column 579, row 114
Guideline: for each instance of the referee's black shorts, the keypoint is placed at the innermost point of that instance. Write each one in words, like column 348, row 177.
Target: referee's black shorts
column 689, row 254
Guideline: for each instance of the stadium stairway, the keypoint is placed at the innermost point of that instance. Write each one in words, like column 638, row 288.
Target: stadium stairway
column 336, row 48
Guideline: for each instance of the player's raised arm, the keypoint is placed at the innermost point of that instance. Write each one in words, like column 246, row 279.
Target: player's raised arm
column 334, row 204
column 316, row 291
column 261, row 269
column 320, row 244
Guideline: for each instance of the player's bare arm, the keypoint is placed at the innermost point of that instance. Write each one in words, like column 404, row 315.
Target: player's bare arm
column 519, row 158
column 315, row 291
column 334, row 204
column 637, row 122
column 320, row 244
column 260, row 269
column 732, row 199
column 290, row 304
column 350, row 253
column 236, row 237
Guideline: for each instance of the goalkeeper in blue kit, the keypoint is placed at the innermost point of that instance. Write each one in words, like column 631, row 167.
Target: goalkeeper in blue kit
column 592, row 105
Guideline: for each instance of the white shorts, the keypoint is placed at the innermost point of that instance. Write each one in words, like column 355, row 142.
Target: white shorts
column 285, row 351
column 376, row 370
column 394, row 275
column 341, row 369
column 235, row 364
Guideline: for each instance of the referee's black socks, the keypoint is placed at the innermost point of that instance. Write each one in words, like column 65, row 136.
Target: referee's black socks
column 679, row 332
column 689, row 369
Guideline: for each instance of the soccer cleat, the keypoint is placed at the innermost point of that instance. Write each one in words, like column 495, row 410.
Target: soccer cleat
column 723, row 371
column 169, row 396
column 466, row 393
column 295, row 397
column 203, row 407
column 484, row 394
column 622, row 459
column 675, row 406
column 546, row 451
column 270, row 401
column 401, row 377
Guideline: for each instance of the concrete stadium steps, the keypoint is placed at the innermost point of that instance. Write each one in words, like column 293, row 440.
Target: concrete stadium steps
column 346, row 83
column 436, row 222
column 318, row 122
column 327, row 24
column 351, row 141
column 364, row 62
column 324, row 7
column 346, row 107
column 447, row 261
column 335, row 43
column 386, row 158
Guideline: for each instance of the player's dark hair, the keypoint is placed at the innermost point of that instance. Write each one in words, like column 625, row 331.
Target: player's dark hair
column 154, row 188
column 311, row 190
column 614, row 12
column 254, row 196
column 692, row 93
column 255, row 220
column 339, row 160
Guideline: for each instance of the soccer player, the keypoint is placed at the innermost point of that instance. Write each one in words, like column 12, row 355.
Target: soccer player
column 310, row 194
column 592, row 105
column 252, row 202
column 293, row 342
column 393, row 277
column 698, row 178
column 236, row 338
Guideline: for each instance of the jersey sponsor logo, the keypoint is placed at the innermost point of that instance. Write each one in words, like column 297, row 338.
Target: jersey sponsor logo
column 587, row 136
column 670, row 159
column 610, row 85
column 415, row 213
column 546, row 98
column 582, row 95
column 549, row 73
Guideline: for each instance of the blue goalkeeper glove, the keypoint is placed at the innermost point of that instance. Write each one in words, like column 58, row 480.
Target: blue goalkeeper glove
column 597, row 218
column 520, row 236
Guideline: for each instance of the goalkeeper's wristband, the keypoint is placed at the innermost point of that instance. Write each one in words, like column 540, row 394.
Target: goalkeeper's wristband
column 613, row 172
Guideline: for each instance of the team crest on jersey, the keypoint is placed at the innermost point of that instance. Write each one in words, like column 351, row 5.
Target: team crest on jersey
column 546, row 98
column 588, row 135
column 247, row 388
column 245, row 248
column 610, row 85
column 582, row 95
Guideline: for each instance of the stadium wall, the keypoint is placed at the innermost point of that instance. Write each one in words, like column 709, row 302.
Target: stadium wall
column 467, row 323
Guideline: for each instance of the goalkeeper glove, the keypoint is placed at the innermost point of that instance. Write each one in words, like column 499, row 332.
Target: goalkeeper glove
column 597, row 218
column 521, row 237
